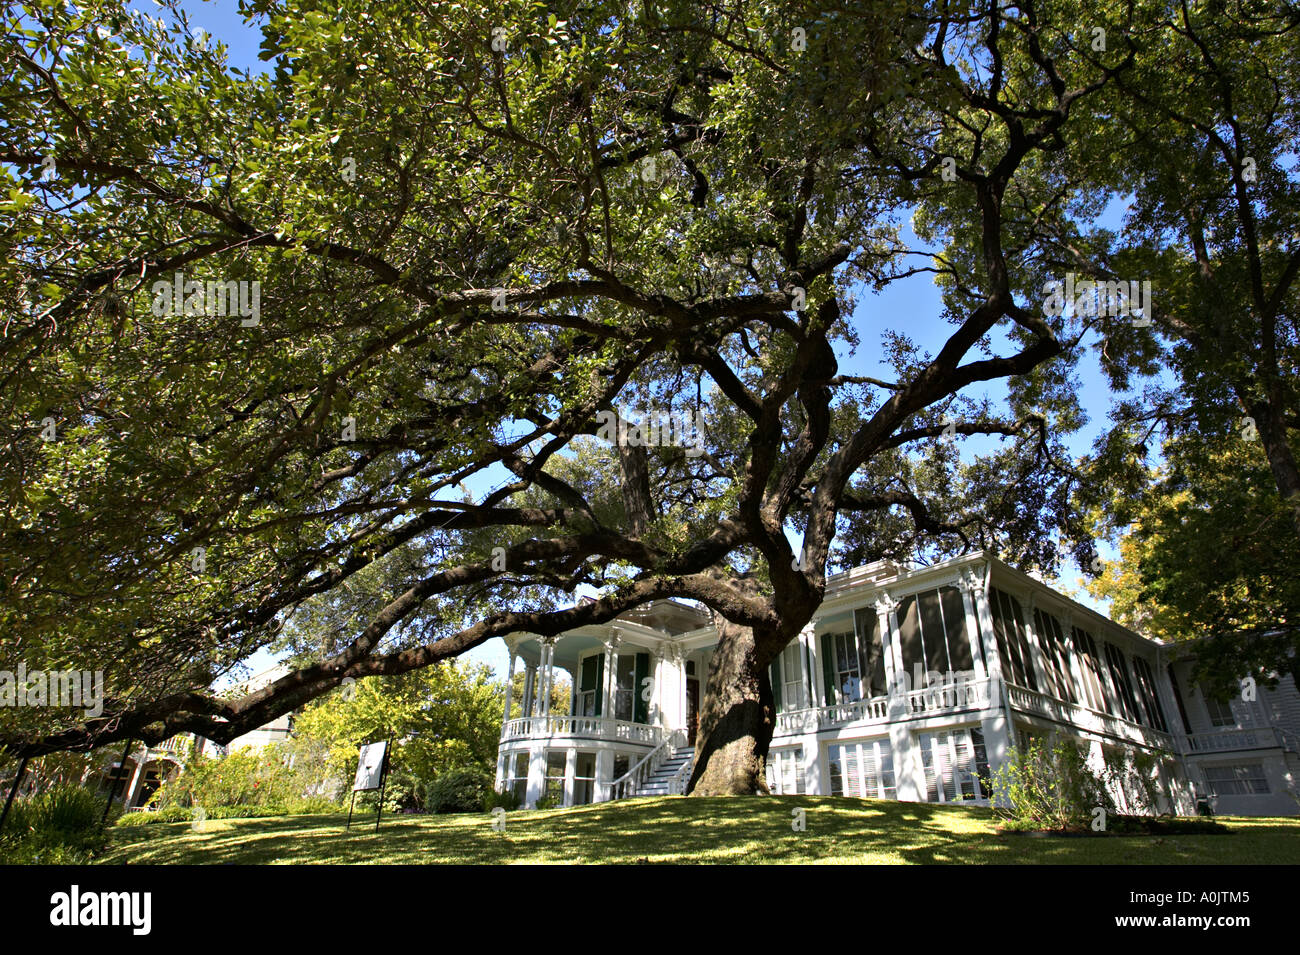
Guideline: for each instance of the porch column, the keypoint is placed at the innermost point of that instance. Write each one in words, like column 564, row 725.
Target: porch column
column 570, row 772
column 886, row 614
column 817, row 692
column 536, row 776
column 604, row 775
column 998, row 728
column 611, row 677
column 530, row 673
column 654, row 705
column 134, row 786
column 548, row 673
column 967, row 587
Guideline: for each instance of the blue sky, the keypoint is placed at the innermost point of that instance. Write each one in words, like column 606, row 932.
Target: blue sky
column 916, row 296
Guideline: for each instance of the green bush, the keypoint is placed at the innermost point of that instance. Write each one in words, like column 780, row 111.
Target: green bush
column 1048, row 788
column 459, row 790
column 60, row 824
column 314, row 805
column 506, row 800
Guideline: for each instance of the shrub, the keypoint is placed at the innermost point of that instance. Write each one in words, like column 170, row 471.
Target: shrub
column 459, row 790
column 61, row 824
column 507, row 800
column 1048, row 787
column 314, row 805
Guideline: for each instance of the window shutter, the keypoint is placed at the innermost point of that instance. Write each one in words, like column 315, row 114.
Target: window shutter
column 828, row 667
column 600, row 683
column 640, row 706
column 774, row 672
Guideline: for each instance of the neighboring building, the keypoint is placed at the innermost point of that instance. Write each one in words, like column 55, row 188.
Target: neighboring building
column 910, row 683
column 134, row 780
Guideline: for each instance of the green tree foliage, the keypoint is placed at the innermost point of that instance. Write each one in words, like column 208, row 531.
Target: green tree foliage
column 442, row 717
column 1209, row 550
column 483, row 233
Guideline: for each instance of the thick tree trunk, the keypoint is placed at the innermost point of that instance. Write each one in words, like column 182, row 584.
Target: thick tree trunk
column 1281, row 461
column 737, row 716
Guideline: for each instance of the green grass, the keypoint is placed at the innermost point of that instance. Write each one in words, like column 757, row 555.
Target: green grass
column 757, row 830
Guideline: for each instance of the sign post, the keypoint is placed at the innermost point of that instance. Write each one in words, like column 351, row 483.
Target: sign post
column 372, row 774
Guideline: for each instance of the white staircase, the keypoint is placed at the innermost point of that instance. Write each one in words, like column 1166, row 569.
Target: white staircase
column 673, row 770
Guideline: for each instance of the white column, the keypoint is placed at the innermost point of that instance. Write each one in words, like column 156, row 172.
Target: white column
column 611, row 676
column 548, row 673
column 887, row 615
column 999, row 735
column 570, row 772
column 530, row 672
column 536, row 776
column 136, row 777
column 809, row 634
column 968, row 583
column 604, row 775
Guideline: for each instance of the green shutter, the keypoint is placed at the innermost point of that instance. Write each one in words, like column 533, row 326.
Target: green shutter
column 640, row 706
column 828, row 666
column 774, row 672
column 600, row 683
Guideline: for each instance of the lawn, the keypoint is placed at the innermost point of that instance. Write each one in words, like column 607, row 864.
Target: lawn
column 758, row 830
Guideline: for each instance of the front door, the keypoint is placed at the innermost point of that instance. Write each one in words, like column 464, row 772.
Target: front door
column 692, row 708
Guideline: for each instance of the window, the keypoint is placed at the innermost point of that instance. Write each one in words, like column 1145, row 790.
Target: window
column 1147, row 689
column 785, row 770
column 584, row 779
column 932, row 633
column 1013, row 642
column 788, row 684
column 1119, row 678
column 841, row 667
column 555, row 760
column 593, row 667
column 864, row 769
column 1244, row 780
column 1178, row 698
column 871, row 654
column 517, row 781
column 1055, row 656
column 956, row 765
column 1094, row 675
column 624, row 689
column 1220, row 711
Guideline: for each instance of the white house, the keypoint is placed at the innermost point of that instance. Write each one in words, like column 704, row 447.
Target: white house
column 134, row 780
column 910, row 683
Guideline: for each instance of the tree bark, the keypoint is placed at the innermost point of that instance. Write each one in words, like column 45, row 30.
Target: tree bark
column 737, row 716
column 1271, row 425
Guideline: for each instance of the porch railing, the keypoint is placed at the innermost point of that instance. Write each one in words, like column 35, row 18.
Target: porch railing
column 1066, row 712
column 598, row 727
column 1218, row 741
column 927, row 701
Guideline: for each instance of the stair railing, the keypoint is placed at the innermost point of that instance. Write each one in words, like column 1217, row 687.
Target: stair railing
column 632, row 780
column 677, row 785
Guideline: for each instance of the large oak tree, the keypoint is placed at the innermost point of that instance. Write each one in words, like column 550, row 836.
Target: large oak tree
column 476, row 227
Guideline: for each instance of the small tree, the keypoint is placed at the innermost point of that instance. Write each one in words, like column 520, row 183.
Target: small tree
column 1048, row 786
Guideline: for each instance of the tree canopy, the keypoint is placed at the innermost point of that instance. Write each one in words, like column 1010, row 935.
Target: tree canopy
column 468, row 243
